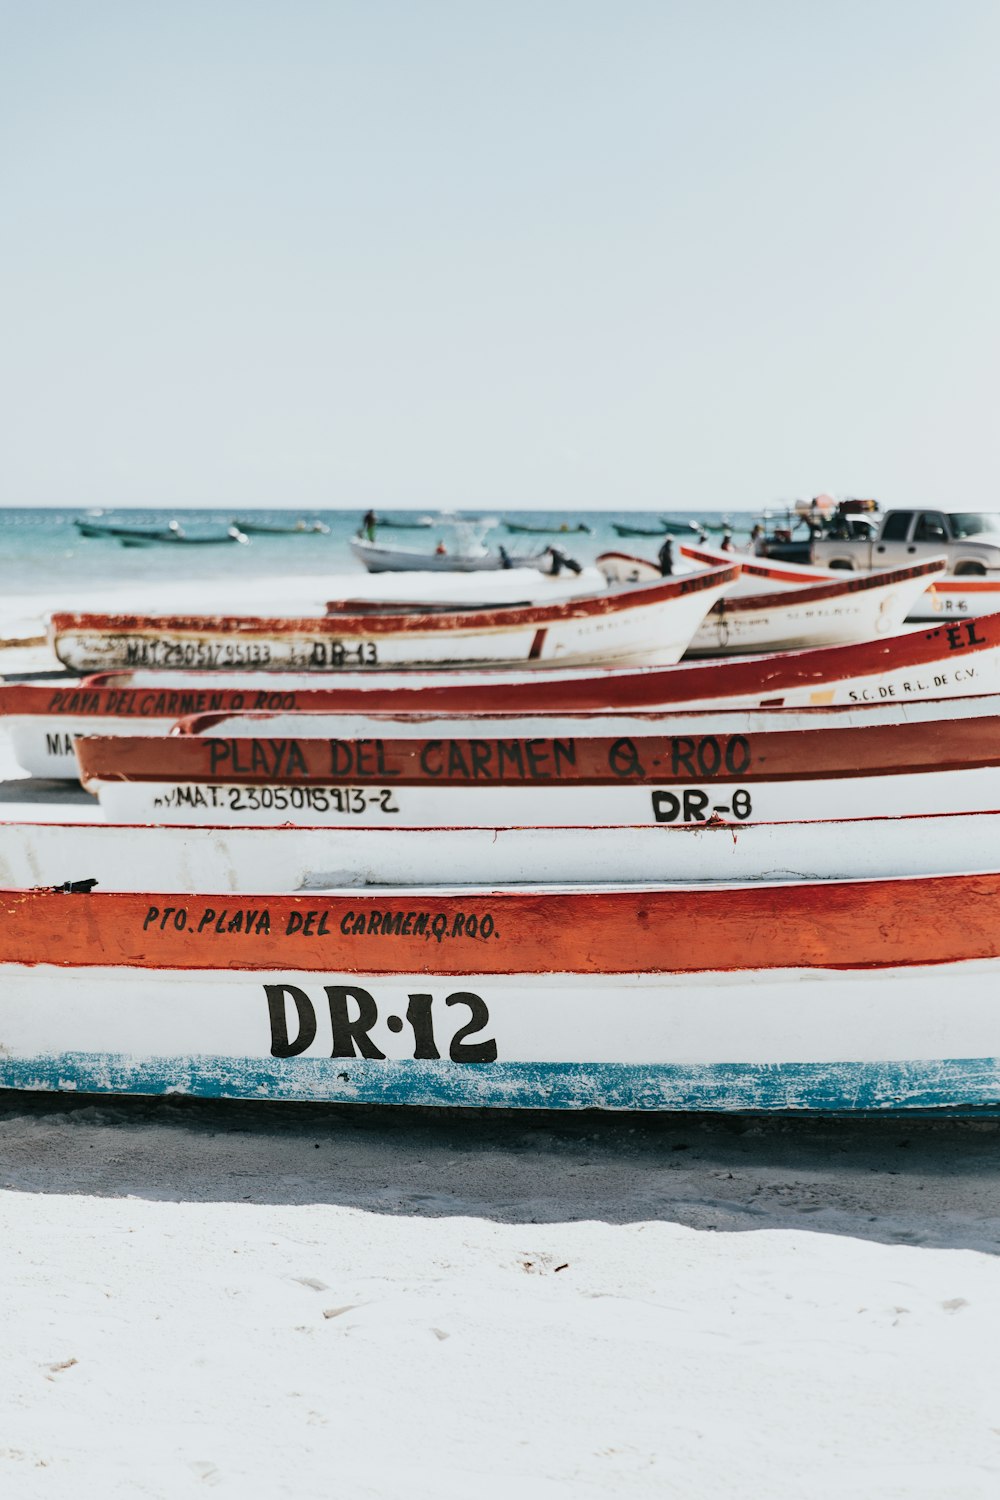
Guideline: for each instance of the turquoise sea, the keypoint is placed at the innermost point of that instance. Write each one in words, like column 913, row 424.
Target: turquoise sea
column 41, row 547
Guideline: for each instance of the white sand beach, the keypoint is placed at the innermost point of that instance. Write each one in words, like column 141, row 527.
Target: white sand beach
column 275, row 1300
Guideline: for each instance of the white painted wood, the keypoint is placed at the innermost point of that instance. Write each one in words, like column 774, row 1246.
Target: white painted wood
column 42, row 743
column 548, row 804
column 791, row 625
column 765, row 1017
column 177, row 859
column 649, row 632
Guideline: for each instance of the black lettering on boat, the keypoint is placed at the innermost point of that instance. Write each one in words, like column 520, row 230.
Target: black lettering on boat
column 462, row 1051
column 282, row 1044
column 709, row 755
column 682, row 757
column 623, row 758
column 666, row 807
column 695, row 803
column 351, row 1034
column 510, row 753
column 480, row 754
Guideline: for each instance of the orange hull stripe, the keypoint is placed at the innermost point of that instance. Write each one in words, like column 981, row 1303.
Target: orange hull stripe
column 840, row 925
column 888, row 749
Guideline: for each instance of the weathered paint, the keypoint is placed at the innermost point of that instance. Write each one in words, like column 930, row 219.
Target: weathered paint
column 808, row 607
column 652, row 623
column 782, row 1040
column 728, row 804
column 184, row 859
column 931, row 745
column 737, row 928
column 934, row 766
column 947, row 661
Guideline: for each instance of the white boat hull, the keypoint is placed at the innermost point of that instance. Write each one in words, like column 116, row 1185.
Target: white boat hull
column 789, row 1039
column 178, row 859
column 547, row 803
column 772, row 608
column 834, row 996
column 653, row 626
column 44, row 745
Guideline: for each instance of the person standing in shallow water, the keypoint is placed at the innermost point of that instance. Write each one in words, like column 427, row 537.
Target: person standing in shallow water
column 368, row 524
column 665, row 557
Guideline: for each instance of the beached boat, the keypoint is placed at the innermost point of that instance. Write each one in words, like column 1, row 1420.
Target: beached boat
column 651, row 623
column 948, row 597
column 768, row 614
column 953, row 661
column 839, row 996
column 929, row 766
column 951, row 598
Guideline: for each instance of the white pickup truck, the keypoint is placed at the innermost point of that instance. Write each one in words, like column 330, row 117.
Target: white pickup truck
column 970, row 539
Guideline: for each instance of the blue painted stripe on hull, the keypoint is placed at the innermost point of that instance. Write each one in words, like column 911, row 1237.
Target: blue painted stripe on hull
column 950, row 1084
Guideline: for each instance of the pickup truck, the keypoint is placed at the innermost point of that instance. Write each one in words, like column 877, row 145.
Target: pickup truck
column 969, row 539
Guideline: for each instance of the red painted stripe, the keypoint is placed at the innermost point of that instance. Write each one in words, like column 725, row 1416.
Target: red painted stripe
column 843, row 925
column 851, row 583
column 465, row 622
column 885, row 749
column 757, row 567
column 968, row 585
column 764, row 678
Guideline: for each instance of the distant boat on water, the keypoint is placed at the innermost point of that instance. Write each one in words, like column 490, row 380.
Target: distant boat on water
column 560, row 530
column 143, row 536
column 463, row 552
column 301, row 527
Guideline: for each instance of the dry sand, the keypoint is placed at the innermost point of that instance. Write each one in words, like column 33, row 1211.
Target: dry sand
column 292, row 1300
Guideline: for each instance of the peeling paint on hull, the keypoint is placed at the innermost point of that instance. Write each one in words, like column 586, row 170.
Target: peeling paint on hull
column 957, row 1085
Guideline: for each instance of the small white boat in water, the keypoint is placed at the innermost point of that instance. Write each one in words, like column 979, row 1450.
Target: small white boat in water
column 459, row 548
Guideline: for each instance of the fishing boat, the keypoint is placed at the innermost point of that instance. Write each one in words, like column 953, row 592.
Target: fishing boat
column 555, row 527
column 788, row 614
column 301, row 527
column 648, row 623
column 379, row 558
column 949, row 597
column 953, row 662
column 930, row 766
column 835, row 996
column 624, row 528
column 43, row 721
column 460, row 548
column 173, row 534
column 406, row 523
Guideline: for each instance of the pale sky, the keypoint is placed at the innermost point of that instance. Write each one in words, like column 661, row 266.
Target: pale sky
column 534, row 252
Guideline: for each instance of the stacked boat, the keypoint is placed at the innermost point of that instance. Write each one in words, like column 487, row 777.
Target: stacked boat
column 516, row 855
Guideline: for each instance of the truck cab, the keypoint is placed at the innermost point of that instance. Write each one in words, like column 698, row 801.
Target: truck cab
column 969, row 539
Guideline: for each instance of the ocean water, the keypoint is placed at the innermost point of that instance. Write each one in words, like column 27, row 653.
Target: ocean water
column 41, row 548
